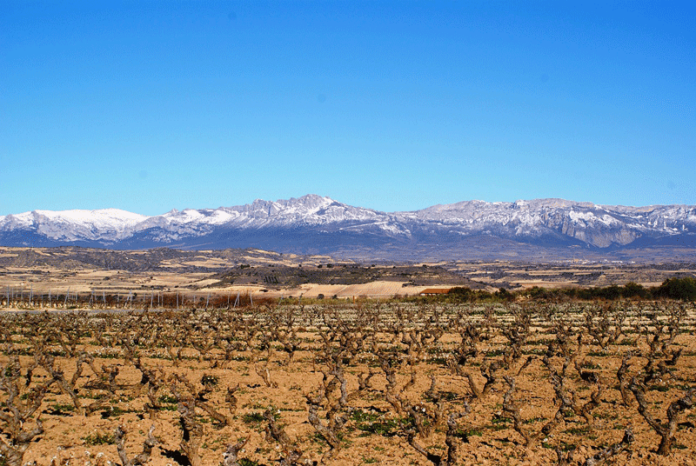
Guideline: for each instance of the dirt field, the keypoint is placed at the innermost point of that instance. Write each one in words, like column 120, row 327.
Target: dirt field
column 353, row 384
column 226, row 273
column 563, row 274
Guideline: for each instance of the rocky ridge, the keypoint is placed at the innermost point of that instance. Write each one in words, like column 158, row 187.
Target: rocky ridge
column 316, row 224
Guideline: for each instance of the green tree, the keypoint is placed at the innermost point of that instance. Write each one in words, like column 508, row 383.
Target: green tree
column 678, row 288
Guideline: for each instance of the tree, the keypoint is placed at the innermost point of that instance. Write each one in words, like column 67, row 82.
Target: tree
column 678, row 288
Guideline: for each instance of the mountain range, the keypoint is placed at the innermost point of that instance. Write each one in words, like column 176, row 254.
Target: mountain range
column 541, row 229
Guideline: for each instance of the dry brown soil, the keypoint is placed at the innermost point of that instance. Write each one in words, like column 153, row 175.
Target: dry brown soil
column 374, row 432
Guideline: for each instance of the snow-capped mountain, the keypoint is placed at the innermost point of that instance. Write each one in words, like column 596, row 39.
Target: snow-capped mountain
column 594, row 225
column 315, row 224
column 106, row 225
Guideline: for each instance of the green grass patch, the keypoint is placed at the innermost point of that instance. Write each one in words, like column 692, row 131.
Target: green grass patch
column 252, row 418
column 62, row 409
column 167, row 399
column 578, row 430
column 114, row 411
column 99, row 439
column 248, row 462
column 375, row 424
column 499, row 423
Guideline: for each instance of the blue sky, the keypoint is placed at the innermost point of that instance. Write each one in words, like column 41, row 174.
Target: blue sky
column 154, row 105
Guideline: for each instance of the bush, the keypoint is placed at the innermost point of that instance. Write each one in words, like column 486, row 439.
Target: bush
column 504, row 295
column 678, row 288
column 633, row 290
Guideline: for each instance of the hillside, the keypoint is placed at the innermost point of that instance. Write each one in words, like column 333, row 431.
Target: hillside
column 537, row 230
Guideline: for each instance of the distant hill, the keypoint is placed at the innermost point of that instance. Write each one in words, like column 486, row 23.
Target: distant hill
column 542, row 229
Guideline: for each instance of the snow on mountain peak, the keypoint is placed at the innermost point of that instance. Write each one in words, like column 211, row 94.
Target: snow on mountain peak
column 102, row 216
column 76, row 225
column 559, row 219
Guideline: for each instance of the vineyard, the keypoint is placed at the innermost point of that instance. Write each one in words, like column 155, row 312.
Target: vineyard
column 357, row 383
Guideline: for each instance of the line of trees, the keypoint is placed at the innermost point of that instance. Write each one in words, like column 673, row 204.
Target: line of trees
column 683, row 289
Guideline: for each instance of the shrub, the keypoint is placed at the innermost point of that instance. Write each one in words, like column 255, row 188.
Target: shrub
column 678, row 288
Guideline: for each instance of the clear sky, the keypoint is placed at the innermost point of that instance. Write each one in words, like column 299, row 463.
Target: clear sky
column 393, row 105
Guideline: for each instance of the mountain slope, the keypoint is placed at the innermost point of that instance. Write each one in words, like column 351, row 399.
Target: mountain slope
column 315, row 224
